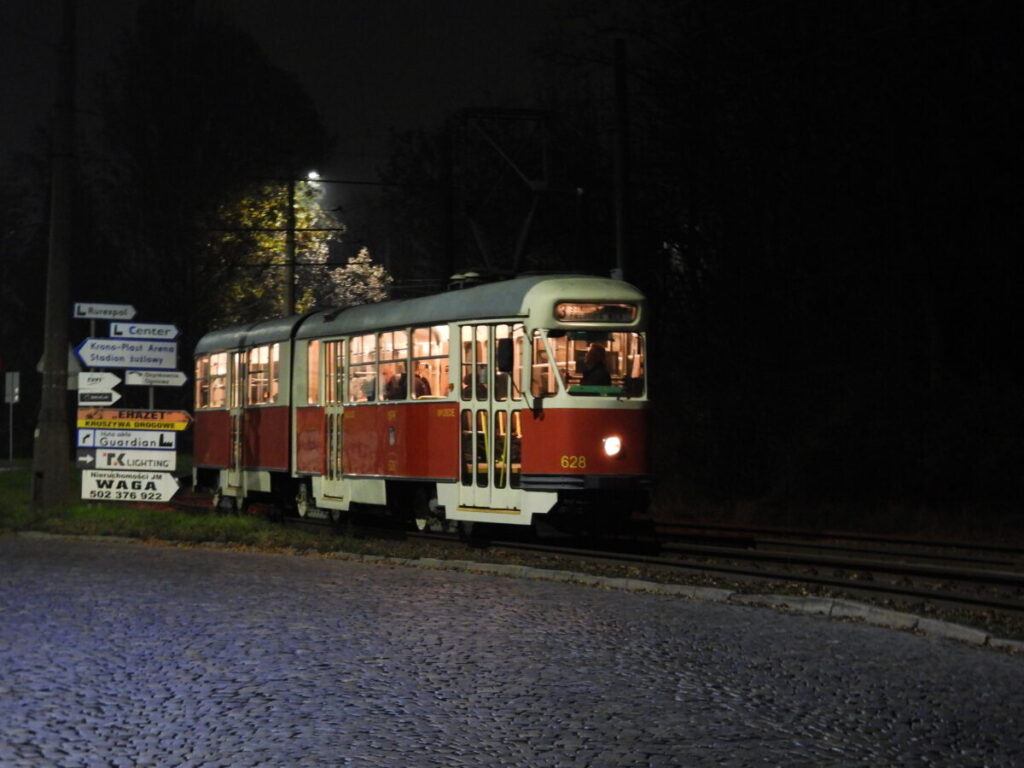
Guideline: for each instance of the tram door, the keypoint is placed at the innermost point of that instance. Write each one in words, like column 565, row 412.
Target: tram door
column 490, row 418
column 236, row 394
column 334, row 382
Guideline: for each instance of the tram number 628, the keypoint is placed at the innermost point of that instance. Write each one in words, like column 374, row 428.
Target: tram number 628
column 574, row 462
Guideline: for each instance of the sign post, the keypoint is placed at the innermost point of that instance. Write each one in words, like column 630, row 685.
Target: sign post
column 127, row 454
column 12, row 394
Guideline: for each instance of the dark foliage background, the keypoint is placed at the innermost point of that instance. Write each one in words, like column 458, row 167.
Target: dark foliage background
column 824, row 214
column 823, row 210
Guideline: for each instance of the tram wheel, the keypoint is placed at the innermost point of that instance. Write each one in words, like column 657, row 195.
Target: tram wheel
column 303, row 500
column 223, row 505
column 473, row 534
column 341, row 522
column 426, row 514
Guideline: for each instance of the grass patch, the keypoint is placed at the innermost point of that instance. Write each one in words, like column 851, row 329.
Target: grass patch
column 15, row 494
column 142, row 522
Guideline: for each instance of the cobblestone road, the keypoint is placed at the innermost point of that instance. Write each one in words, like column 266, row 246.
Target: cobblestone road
column 127, row 655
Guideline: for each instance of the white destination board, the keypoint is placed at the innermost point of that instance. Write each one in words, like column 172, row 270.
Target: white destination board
column 127, row 353
column 155, row 331
column 97, row 381
column 146, row 440
column 89, row 311
column 154, row 461
column 115, row 485
column 155, row 378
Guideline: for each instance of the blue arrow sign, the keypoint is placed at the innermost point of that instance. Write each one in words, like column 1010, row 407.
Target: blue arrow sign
column 128, row 353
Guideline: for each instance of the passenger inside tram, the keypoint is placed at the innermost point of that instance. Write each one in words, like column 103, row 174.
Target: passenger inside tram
column 395, row 384
column 593, row 370
column 422, row 386
column 481, row 386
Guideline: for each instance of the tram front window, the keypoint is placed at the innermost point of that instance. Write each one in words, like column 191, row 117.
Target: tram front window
column 589, row 363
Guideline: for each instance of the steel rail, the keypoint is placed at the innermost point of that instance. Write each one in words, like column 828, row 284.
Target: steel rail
column 981, row 576
column 794, row 533
column 959, row 598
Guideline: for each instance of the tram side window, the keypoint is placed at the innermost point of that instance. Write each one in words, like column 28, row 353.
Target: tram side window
column 211, row 380
column 362, row 368
column 334, row 371
column 475, row 361
column 236, row 388
column 430, row 362
column 313, row 372
column 393, row 353
column 542, row 372
column 263, row 375
column 506, row 383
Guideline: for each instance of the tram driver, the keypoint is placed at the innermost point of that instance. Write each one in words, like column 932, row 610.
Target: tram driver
column 593, row 370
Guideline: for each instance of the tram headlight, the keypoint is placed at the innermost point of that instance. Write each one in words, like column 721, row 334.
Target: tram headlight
column 612, row 445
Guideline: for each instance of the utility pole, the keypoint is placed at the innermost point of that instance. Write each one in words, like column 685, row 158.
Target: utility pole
column 289, row 250
column 51, row 456
column 620, row 157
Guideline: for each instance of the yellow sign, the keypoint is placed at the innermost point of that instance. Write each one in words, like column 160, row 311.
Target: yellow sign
column 113, row 418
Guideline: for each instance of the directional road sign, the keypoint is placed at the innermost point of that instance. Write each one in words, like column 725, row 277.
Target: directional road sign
column 156, row 461
column 112, row 418
column 155, row 378
column 90, row 311
column 148, row 440
column 128, row 353
column 157, row 331
column 98, row 397
column 116, row 485
column 97, row 381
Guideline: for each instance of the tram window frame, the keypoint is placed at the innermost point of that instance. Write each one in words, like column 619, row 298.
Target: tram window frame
column 430, row 361
column 201, row 393
column 508, row 445
column 236, row 380
column 263, row 372
column 313, row 372
column 211, row 381
column 393, row 362
column 506, row 385
column 474, row 366
column 362, row 368
column 563, row 354
column 542, row 367
column 334, row 371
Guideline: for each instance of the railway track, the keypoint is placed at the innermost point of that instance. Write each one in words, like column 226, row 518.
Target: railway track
column 985, row 555
column 950, row 576
column 952, row 587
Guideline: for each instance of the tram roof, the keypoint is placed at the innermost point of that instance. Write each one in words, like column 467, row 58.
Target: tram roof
column 507, row 298
column 249, row 334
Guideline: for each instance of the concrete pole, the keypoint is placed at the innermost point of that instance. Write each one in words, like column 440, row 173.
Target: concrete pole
column 289, row 249
column 51, row 457
column 620, row 159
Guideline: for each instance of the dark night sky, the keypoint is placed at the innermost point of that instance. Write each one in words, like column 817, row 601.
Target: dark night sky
column 368, row 66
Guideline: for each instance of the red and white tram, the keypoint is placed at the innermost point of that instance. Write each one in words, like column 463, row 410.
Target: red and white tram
column 486, row 404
